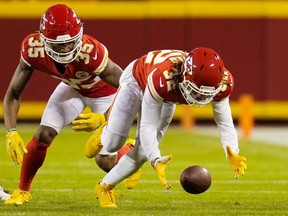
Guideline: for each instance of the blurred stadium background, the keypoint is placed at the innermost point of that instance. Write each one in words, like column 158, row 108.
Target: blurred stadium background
column 249, row 35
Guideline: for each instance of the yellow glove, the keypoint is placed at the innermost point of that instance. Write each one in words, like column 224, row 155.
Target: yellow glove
column 13, row 144
column 88, row 122
column 237, row 162
column 160, row 165
column 94, row 144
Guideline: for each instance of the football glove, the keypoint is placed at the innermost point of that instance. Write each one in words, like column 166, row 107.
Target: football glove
column 160, row 165
column 237, row 162
column 88, row 122
column 94, row 145
column 14, row 145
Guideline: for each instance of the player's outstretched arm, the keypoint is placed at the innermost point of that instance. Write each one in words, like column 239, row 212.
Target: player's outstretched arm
column 11, row 105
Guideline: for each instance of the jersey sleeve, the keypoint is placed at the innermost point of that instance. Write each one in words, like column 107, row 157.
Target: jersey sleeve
column 227, row 88
column 224, row 121
column 31, row 48
column 33, row 51
column 100, row 57
column 150, row 117
column 157, row 85
column 23, row 51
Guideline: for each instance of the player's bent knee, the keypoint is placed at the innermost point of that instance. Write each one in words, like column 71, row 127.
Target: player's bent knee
column 106, row 162
column 113, row 142
column 46, row 134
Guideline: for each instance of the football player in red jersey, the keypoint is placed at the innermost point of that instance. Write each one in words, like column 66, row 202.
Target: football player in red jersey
column 88, row 78
column 152, row 86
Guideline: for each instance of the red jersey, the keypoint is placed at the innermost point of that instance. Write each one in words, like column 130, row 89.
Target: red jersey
column 81, row 74
column 158, row 70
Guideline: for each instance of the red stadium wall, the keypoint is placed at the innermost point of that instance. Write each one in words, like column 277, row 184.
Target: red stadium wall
column 253, row 49
column 249, row 35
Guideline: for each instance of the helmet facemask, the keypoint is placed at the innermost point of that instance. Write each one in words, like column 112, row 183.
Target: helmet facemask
column 63, row 57
column 195, row 96
column 201, row 79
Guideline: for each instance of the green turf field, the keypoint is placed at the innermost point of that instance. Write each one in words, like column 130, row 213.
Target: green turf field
column 64, row 185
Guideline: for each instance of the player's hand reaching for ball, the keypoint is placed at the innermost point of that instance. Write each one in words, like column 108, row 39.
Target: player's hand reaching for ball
column 160, row 165
column 88, row 122
column 14, row 145
column 237, row 162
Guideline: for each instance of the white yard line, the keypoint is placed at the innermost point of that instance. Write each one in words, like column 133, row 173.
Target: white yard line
column 277, row 135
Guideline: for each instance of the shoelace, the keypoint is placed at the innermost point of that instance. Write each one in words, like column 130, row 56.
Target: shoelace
column 108, row 196
column 18, row 194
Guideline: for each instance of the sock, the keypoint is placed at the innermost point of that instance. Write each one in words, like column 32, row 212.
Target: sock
column 122, row 170
column 124, row 150
column 32, row 161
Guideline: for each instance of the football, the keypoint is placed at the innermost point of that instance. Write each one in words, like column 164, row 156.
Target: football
column 195, row 179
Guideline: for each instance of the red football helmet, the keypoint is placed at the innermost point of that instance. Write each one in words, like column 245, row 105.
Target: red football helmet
column 60, row 26
column 202, row 74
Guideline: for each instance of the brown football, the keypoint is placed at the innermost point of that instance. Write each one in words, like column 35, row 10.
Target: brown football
column 195, row 179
